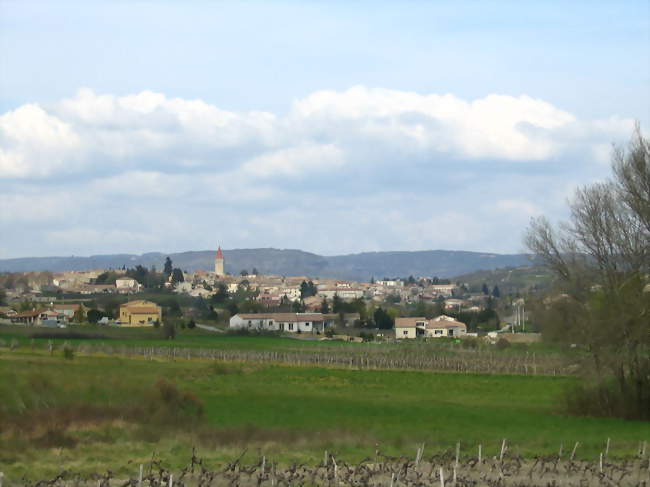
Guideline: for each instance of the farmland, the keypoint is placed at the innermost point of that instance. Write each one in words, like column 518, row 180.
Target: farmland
column 99, row 411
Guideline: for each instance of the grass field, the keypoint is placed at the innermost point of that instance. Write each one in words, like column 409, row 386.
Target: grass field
column 94, row 413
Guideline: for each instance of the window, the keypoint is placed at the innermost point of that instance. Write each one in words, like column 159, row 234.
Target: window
column 406, row 332
column 437, row 332
column 307, row 324
column 290, row 326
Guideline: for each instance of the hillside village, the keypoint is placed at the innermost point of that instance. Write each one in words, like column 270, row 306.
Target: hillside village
column 400, row 308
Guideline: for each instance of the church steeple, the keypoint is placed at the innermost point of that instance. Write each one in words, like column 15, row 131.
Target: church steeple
column 219, row 263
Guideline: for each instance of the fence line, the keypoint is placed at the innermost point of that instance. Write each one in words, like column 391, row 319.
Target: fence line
column 458, row 361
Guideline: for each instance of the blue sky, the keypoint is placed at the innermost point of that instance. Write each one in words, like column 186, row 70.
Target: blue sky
column 333, row 127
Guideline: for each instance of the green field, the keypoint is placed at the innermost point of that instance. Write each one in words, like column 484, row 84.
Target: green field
column 94, row 413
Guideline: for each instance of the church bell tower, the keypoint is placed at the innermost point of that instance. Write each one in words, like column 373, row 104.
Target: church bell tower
column 218, row 263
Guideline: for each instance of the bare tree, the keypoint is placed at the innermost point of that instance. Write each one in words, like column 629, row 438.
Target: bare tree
column 601, row 258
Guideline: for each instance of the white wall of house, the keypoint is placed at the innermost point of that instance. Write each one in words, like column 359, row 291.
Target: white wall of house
column 270, row 324
column 447, row 331
column 401, row 333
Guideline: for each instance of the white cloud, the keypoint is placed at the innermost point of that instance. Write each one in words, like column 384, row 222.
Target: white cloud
column 361, row 169
column 92, row 132
column 295, row 160
column 34, row 143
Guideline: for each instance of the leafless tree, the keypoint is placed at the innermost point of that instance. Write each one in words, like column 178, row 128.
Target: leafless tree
column 601, row 258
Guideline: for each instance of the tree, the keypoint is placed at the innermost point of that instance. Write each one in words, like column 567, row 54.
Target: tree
column 3, row 297
column 383, row 320
column 168, row 267
column 94, row 315
column 601, row 260
column 221, row 295
column 243, row 272
column 485, row 289
column 79, row 315
column 495, row 292
column 324, row 306
column 255, row 271
column 177, row 276
column 174, row 308
column 336, row 303
column 169, row 330
column 307, row 289
column 191, row 324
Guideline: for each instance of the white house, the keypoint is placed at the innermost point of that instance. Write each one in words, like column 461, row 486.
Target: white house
column 290, row 322
column 127, row 285
column 441, row 326
column 445, row 326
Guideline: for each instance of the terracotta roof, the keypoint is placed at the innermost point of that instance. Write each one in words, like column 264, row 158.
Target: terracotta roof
column 138, row 302
column 30, row 314
column 444, row 321
column 142, row 310
column 408, row 322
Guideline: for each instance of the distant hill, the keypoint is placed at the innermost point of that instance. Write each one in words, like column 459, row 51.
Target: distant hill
column 510, row 280
column 363, row 266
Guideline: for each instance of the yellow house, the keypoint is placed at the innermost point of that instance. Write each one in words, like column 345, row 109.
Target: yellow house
column 140, row 313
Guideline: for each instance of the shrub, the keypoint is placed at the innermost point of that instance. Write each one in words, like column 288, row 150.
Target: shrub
column 191, row 324
column 366, row 336
column 470, row 342
column 502, row 344
column 329, row 333
column 68, row 351
column 177, row 403
column 169, row 330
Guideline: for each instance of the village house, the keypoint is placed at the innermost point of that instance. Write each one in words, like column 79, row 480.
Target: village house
column 441, row 326
column 127, row 285
column 67, row 311
column 445, row 290
column 289, row 322
column 344, row 293
column 140, row 313
column 31, row 317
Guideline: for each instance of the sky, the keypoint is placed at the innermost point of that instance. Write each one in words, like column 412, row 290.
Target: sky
column 331, row 127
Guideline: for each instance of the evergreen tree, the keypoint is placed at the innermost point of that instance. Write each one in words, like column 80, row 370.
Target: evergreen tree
column 495, row 292
column 485, row 289
column 168, row 268
column 324, row 306
column 177, row 276
column 383, row 320
column 336, row 303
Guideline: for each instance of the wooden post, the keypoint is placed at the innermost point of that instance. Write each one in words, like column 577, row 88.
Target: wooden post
column 600, row 463
column 607, row 448
column 479, row 454
column 575, row 447
column 457, row 454
column 140, row 477
column 442, row 477
column 263, row 464
column 1, row 477
column 325, row 459
column 503, row 450
column 392, row 479
column 559, row 455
